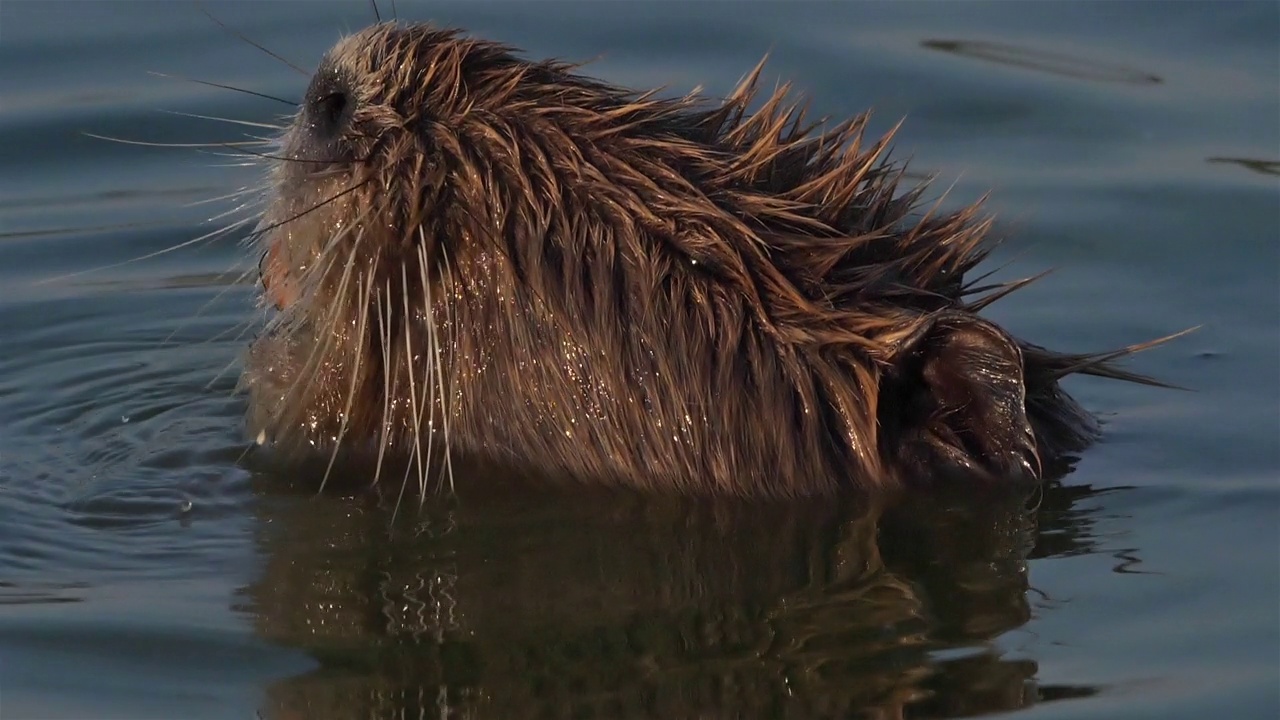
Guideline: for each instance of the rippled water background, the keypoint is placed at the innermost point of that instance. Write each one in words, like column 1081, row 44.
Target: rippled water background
column 144, row 573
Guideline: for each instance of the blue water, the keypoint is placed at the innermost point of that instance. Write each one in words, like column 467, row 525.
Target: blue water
column 145, row 573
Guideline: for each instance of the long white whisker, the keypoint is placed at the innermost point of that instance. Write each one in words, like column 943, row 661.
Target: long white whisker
column 256, row 191
column 418, row 410
column 146, row 143
column 451, row 321
column 363, row 290
column 233, row 121
column 232, row 283
column 384, row 336
column 319, row 350
column 431, row 395
column 415, row 410
column 140, row 258
column 436, row 369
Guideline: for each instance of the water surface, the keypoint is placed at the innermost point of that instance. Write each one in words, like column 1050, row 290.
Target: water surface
column 146, row 573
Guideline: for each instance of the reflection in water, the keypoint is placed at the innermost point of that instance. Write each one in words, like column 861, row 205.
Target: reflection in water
column 609, row 604
column 1043, row 61
column 1266, row 167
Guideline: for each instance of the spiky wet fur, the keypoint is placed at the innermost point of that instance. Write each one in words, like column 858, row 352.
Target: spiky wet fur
column 513, row 261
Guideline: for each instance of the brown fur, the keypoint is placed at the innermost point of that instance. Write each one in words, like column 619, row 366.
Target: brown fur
column 622, row 288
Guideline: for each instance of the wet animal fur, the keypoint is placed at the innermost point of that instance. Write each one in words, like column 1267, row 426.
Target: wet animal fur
column 528, row 265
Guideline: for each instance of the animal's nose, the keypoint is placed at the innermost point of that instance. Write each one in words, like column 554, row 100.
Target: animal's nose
column 329, row 113
column 326, row 116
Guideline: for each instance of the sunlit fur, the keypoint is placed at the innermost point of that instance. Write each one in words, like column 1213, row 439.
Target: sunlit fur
column 513, row 261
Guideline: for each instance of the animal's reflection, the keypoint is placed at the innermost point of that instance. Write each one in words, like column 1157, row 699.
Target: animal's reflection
column 570, row 604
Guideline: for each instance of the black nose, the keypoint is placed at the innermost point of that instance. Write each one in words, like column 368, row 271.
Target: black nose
column 326, row 116
column 329, row 112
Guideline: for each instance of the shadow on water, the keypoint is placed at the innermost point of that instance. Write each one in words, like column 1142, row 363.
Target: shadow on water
column 1043, row 61
column 1265, row 167
column 518, row 603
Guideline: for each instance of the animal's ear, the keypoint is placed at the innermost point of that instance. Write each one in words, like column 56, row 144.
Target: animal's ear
column 957, row 402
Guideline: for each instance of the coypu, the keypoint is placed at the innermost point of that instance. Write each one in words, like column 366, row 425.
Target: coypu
column 475, row 253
